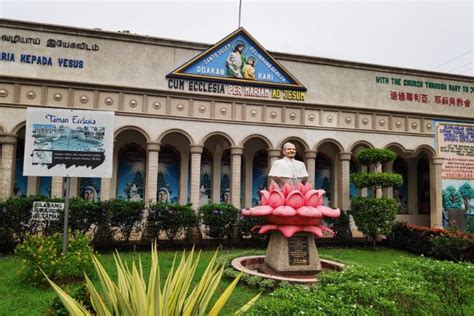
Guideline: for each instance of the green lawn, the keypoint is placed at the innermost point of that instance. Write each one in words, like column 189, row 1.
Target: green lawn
column 21, row 299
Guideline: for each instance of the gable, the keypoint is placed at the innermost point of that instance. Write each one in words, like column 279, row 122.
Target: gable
column 238, row 59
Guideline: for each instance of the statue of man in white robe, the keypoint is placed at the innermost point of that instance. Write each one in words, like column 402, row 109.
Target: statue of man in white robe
column 288, row 169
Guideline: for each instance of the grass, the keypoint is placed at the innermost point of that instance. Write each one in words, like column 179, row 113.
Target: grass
column 21, row 299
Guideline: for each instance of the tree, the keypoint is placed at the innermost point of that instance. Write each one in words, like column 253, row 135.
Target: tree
column 451, row 198
column 467, row 193
column 374, row 215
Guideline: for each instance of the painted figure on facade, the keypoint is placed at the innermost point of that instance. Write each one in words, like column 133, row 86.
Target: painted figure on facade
column 249, row 69
column 288, row 169
column 236, row 61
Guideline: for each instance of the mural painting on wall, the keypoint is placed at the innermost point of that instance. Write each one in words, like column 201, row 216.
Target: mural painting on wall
column 455, row 143
column 259, row 175
column 21, row 182
column 353, row 191
column 323, row 177
column 206, row 177
column 45, row 186
column 225, row 177
column 89, row 189
column 168, row 175
column 131, row 173
column 400, row 194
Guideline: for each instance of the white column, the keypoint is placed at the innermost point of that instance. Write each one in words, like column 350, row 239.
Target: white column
column 105, row 186
column 196, row 152
column 57, row 187
column 412, row 174
column 310, row 157
column 378, row 169
column 436, row 196
column 273, row 155
column 7, row 180
column 216, row 176
column 236, row 167
column 388, row 167
column 345, row 158
column 153, row 151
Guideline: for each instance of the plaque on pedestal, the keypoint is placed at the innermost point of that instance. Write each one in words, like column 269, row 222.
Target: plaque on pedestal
column 295, row 255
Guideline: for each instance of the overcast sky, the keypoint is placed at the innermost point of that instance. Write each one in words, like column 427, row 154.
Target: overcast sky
column 428, row 35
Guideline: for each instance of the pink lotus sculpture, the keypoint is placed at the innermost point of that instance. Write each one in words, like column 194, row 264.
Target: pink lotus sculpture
column 292, row 209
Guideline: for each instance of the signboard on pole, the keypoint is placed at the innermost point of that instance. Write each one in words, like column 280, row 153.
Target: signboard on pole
column 46, row 211
column 455, row 143
column 68, row 143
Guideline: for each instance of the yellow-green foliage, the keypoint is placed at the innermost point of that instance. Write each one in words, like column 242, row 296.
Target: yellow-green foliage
column 131, row 295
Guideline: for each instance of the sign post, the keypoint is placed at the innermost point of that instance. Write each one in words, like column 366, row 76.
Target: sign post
column 68, row 143
column 66, row 214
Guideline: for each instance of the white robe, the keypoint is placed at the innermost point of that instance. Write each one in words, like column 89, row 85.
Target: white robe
column 288, row 168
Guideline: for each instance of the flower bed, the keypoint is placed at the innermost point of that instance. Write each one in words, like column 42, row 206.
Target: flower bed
column 433, row 242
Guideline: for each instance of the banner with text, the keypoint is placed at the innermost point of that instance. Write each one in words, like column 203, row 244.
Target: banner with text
column 68, row 143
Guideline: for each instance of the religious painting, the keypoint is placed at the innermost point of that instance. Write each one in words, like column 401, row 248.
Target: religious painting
column 400, row 193
column 225, row 177
column 205, row 186
column 168, row 175
column 89, row 188
column 131, row 173
column 323, row 176
column 259, row 175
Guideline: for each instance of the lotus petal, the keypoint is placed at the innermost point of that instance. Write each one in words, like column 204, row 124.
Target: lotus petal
column 273, row 186
column 299, row 187
column 321, row 192
column 245, row 212
column 289, row 230
column 284, row 210
column 313, row 198
column 329, row 212
column 295, row 199
column 316, row 230
column 327, row 229
column 309, row 211
column 287, row 188
column 266, row 228
column 276, row 198
column 307, row 187
column 264, row 196
column 261, row 210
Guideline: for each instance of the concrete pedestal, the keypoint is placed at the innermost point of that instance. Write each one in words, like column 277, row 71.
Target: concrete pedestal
column 292, row 256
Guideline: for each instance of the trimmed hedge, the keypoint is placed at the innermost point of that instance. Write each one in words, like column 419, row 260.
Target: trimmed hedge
column 376, row 180
column 432, row 242
column 171, row 218
column 374, row 155
column 219, row 219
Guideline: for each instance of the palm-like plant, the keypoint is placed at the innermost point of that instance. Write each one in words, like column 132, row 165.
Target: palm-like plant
column 130, row 295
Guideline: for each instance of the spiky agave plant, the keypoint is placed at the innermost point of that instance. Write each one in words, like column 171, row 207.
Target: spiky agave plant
column 130, row 295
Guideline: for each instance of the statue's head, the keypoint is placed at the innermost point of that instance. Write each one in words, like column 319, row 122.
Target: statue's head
column 289, row 150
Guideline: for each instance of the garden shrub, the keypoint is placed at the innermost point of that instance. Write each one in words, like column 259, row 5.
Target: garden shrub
column 374, row 155
column 171, row 218
column 44, row 253
column 83, row 214
column 395, row 290
column 373, row 216
column 79, row 293
column 340, row 226
column 15, row 214
column 219, row 219
column 246, row 223
column 123, row 215
column 432, row 242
